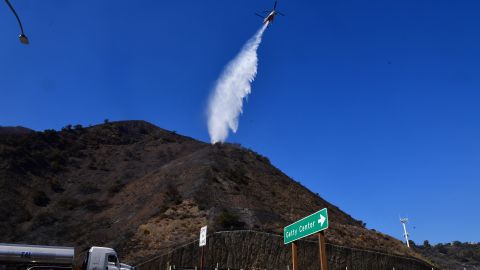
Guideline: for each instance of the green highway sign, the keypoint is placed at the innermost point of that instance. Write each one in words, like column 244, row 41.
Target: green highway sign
column 306, row 226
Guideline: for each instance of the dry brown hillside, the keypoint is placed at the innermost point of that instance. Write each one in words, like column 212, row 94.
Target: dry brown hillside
column 141, row 189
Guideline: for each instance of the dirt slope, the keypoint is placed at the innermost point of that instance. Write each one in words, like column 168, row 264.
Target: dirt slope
column 141, row 189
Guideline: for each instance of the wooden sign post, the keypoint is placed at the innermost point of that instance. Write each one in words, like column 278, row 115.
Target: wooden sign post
column 294, row 256
column 323, row 252
column 202, row 258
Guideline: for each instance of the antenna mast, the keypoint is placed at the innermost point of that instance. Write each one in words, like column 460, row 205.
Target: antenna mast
column 404, row 222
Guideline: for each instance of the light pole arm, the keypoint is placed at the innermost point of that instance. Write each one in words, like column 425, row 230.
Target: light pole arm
column 23, row 38
column 16, row 15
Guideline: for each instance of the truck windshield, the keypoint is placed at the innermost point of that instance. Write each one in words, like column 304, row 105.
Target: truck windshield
column 112, row 258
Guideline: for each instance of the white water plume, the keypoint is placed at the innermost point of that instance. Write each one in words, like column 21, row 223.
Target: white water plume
column 232, row 87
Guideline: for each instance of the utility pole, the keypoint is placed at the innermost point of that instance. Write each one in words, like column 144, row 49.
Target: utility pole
column 404, row 222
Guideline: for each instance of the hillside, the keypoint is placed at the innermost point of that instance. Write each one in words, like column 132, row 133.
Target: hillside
column 14, row 130
column 454, row 255
column 141, row 189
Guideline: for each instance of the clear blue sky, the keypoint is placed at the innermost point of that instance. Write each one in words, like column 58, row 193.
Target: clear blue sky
column 372, row 104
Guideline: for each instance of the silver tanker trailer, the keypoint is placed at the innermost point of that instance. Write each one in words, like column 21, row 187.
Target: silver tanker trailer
column 30, row 257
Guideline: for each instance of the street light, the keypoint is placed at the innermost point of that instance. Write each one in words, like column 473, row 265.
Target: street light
column 404, row 222
column 23, row 38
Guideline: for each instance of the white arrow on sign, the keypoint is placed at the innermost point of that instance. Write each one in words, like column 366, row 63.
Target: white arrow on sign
column 321, row 220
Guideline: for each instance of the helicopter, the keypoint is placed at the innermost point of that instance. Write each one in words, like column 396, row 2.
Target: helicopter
column 271, row 14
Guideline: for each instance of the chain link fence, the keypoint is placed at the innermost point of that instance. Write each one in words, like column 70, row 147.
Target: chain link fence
column 251, row 250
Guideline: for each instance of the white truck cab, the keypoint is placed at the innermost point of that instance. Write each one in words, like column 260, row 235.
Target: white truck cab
column 101, row 258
